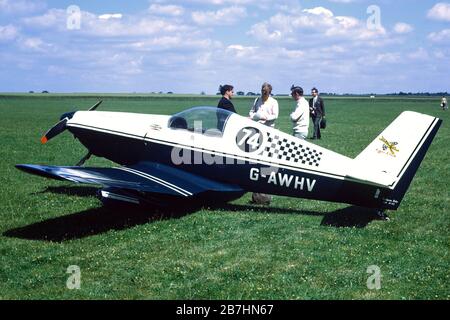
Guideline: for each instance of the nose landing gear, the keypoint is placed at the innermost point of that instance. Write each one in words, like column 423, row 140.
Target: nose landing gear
column 84, row 159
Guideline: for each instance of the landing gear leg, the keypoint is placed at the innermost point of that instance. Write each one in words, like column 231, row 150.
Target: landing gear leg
column 84, row 159
column 383, row 215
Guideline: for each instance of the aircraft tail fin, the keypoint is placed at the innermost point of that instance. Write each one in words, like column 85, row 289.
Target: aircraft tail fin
column 392, row 159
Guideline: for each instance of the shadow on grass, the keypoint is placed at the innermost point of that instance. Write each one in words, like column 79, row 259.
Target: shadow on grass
column 103, row 219
column 350, row 217
column 260, row 208
column 91, row 222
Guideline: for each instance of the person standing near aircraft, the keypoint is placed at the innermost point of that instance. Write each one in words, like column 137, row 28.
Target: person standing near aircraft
column 265, row 108
column 444, row 103
column 227, row 92
column 317, row 111
column 300, row 116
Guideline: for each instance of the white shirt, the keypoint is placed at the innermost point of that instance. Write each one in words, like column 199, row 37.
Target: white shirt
column 267, row 110
column 300, row 116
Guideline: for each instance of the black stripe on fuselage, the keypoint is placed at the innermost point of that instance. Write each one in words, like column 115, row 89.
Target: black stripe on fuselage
column 284, row 181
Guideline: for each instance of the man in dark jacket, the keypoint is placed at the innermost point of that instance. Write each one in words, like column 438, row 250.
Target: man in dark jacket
column 317, row 112
column 227, row 92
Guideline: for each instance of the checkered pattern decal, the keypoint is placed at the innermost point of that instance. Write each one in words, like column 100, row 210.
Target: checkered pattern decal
column 283, row 149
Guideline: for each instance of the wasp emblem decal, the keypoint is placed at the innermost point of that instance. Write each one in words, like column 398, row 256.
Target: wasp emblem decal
column 389, row 147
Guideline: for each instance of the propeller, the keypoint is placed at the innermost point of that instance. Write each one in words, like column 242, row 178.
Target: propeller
column 95, row 106
column 54, row 131
column 62, row 124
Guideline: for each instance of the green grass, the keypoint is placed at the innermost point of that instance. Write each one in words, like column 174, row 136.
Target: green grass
column 294, row 249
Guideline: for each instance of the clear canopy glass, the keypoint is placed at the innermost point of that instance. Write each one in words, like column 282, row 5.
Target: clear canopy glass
column 210, row 120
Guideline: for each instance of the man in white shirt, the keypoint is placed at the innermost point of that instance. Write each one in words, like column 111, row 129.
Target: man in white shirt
column 265, row 108
column 300, row 116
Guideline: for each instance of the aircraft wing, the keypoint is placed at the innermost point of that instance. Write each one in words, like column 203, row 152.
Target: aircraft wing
column 148, row 177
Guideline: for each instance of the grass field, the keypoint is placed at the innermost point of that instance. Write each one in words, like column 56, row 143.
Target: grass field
column 294, row 249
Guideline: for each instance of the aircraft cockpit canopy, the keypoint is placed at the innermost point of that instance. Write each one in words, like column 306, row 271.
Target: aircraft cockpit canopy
column 209, row 120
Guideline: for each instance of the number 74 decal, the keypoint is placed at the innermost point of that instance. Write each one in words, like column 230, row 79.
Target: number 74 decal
column 249, row 139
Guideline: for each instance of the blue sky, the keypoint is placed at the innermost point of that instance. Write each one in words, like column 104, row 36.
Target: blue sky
column 193, row 46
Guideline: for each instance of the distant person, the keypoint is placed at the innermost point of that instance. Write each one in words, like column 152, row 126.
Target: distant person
column 444, row 103
column 227, row 92
column 265, row 108
column 300, row 116
column 317, row 112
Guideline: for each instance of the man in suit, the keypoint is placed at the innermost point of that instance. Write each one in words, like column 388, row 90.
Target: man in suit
column 317, row 112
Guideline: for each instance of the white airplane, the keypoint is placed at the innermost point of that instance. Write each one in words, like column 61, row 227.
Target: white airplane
column 211, row 155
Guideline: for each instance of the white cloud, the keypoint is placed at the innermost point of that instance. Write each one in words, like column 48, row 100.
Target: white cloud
column 380, row 59
column 402, row 28
column 20, row 6
column 257, row 55
column 106, row 26
column 419, row 54
column 320, row 11
column 440, row 11
column 171, row 10
column 316, row 24
column 440, row 36
column 251, row 5
column 204, row 59
column 441, row 54
column 53, row 18
column 34, row 44
column 390, row 57
column 343, row 1
column 139, row 27
column 108, row 16
column 240, row 51
column 8, row 32
column 172, row 42
column 225, row 16
column 229, row 2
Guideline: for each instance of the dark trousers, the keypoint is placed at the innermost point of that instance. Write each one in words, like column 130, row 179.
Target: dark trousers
column 316, row 123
